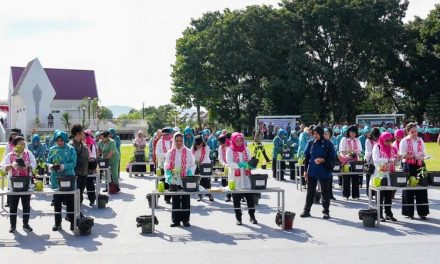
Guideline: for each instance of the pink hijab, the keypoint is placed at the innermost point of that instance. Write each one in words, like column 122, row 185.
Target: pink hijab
column 388, row 150
column 234, row 138
column 89, row 139
column 399, row 133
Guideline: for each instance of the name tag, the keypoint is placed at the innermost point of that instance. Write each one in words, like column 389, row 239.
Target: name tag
column 337, row 167
column 287, row 155
column 102, row 164
column 436, row 179
column 65, row 184
column 191, row 185
column 401, row 180
column 207, row 170
column 260, row 182
column 359, row 167
column 18, row 185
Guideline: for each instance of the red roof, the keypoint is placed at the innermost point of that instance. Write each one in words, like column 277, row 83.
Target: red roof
column 68, row 84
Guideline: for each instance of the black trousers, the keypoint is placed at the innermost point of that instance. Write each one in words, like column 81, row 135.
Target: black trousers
column 353, row 180
column 13, row 205
column 421, row 196
column 326, row 191
column 84, row 182
column 180, row 202
column 386, row 197
column 367, row 183
column 58, row 199
column 236, row 198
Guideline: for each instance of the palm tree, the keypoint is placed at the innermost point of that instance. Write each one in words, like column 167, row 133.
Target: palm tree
column 65, row 119
column 94, row 105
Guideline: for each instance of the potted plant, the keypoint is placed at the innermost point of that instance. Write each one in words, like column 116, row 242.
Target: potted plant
column 422, row 177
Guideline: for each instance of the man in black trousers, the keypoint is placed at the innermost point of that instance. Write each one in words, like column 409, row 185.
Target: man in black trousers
column 319, row 160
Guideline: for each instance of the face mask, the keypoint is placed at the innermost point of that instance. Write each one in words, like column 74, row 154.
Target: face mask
column 19, row 148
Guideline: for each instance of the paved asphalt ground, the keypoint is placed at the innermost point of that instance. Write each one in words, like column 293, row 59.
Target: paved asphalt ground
column 214, row 237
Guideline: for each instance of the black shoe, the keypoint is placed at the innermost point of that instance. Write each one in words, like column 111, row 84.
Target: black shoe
column 199, row 198
column 211, row 198
column 72, row 227
column 422, row 217
column 92, row 203
column 305, row 214
column 326, row 216
column 253, row 220
column 105, row 190
column 175, row 225
column 227, row 199
column 7, row 204
column 27, row 228
column 410, row 217
column 391, row 218
column 12, row 229
column 238, row 222
column 56, row 228
column 186, row 224
column 168, row 201
column 382, row 219
column 332, row 198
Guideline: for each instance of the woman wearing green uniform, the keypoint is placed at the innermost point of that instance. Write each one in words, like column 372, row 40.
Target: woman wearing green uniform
column 107, row 148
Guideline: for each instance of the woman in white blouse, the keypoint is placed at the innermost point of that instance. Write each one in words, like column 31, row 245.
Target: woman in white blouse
column 350, row 149
column 384, row 157
column 179, row 162
column 237, row 156
column 372, row 140
column 222, row 160
column 201, row 155
column 412, row 151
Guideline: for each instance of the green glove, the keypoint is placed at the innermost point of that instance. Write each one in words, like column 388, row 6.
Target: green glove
column 189, row 173
column 168, row 176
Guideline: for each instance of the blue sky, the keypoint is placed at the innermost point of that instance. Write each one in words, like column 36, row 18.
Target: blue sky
column 129, row 44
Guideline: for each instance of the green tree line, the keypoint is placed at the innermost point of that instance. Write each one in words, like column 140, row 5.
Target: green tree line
column 327, row 60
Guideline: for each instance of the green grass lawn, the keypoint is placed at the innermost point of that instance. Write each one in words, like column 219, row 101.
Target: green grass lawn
column 432, row 149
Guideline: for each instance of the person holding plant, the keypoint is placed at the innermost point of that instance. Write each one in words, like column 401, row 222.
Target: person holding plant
column 350, row 150
column 19, row 162
column 179, row 162
column 319, row 160
column 62, row 156
column 164, row 144
column 107, row 149
column 201, row 155
column 372, row 140
column 279, row 146
column 384, row 156
column 412, row 151
column 117, row 140
column 82, row 164
column 237, row 157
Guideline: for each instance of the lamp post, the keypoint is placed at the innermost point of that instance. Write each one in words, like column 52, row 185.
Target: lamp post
column 84, row 116
column 89, row 100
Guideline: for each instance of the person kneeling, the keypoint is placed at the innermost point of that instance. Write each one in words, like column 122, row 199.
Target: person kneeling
column 319, row 156
column 179, row 162
column 237, row 156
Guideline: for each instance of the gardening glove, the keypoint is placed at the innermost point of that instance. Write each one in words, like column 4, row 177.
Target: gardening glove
column 15, row 165
column 242, row 165
column 61, row 167
column 189, row 173
column 168, row 176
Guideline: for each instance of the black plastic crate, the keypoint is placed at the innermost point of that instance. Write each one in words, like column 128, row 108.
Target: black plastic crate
column 205, row 169
column 20, row 183
column 66, row 183
column 258, row 181
column 103, row 163
column 398, row 179
column 337, row 167
column 191, row 183
column 357, row 166
column 434, row 178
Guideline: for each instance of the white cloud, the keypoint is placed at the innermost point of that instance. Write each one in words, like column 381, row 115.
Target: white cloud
column 130, row 44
